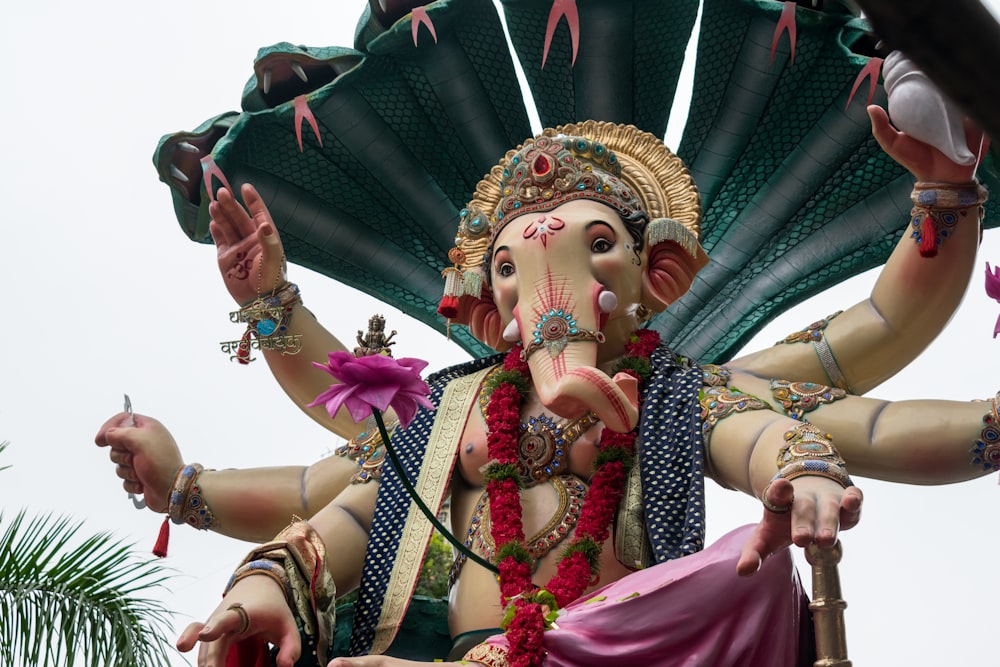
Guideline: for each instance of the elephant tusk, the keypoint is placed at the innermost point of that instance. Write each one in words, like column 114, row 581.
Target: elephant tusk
column 512, row 333
column 607, row 301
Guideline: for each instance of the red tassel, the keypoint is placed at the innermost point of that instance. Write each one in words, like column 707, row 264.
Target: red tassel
column 243, row 351
column 448, row 307
column 160, row 548
column 928, row 237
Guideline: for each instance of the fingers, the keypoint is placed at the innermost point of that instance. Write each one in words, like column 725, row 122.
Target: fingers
column 126, row 473
column 215, row 636
column 230, row 221
column 241, row 224
column 118, row 421
column 135, row 488
column 225, row 621
column 254, row 608
column 819, row 510
column 120, row 456
column 255, row 204
column 778, row 496
column 827, row 522
column 267, row 233
column 885, row 134
column 289, row 647
column 189, row 637
column 850, row 507
column 803, row 520
column 750, row 557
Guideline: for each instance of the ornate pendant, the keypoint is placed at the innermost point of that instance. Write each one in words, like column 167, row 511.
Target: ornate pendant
column 543, row 446
column 553, row 331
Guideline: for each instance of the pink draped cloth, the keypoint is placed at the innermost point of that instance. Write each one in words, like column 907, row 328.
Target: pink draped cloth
column 694, row 611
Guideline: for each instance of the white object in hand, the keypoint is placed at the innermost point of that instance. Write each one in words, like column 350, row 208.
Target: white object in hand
column 919, row 109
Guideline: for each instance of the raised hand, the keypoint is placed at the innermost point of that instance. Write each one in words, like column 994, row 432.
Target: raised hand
column 819, row 508
column 265, row 616
column 923, row 160
column 250, row 255
column 146, row 456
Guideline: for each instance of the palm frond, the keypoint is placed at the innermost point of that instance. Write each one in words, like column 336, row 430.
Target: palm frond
column 3, row 446
column 65, row 605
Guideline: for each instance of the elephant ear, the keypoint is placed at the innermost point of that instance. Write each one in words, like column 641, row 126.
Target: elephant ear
column 670, row 272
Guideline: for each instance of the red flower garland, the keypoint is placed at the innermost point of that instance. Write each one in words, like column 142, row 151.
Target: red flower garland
column 528, row 606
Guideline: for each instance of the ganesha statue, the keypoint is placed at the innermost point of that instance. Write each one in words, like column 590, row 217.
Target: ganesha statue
column 574, row 460
column 570, row 462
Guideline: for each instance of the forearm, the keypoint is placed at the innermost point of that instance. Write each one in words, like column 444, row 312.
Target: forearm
column 873, row 340
column 255, row 504
column 914, row 442
column 300, row 379
column 911, row 302
column 344, row 525
column 743, row 448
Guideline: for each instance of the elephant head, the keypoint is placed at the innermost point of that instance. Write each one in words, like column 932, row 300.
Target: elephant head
column 581, row 238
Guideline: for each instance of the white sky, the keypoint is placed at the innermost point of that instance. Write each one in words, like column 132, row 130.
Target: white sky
column 108, row 296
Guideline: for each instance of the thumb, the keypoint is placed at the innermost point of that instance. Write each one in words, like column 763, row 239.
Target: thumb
column 289, row 647
column 882, row 130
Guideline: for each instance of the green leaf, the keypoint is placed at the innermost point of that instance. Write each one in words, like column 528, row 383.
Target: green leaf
column 65, row 605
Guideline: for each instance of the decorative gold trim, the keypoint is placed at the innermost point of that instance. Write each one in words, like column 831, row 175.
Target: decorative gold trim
column 659, row 178
column 456, row 403
column 631, row 544
column 830, row 365
column 488, row 655
column 652, row 171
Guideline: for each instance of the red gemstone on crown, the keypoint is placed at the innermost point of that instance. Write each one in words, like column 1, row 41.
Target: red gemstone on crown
column 542, row 166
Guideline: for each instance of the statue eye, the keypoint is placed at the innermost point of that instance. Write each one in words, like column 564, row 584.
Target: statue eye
column 601, row 245
column 505, row 269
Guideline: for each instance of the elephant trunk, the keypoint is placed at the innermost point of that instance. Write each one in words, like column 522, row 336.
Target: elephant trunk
column 561, row 346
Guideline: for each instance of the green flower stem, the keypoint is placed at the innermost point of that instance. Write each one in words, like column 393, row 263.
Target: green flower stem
column 398, row 465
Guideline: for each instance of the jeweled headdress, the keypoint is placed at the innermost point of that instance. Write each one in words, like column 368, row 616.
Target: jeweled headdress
column 619, row 165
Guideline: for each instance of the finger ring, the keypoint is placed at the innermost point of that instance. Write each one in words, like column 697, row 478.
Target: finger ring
column 771, row 507
column 777, row 509
column 244, row 616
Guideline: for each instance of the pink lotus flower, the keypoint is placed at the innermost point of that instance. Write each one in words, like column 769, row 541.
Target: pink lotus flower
column 993, row 290
column 376, row 381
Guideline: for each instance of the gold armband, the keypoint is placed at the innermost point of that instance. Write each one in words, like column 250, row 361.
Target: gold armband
column 814, row 334
column 368, row 451
column 798, row 398
column 717, row 403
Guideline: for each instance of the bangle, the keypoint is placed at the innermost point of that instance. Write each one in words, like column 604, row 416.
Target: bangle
column 266, row 567
column 299, row 554
column 269, row 314
column 267, row 319
column 986, row 451
column 810, row 452
column 186, row 504
column 937, row 209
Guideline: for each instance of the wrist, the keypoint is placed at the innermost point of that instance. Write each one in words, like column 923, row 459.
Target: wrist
column 939, row 207
column 808, row 452
column 185, row 502
column 267, row 319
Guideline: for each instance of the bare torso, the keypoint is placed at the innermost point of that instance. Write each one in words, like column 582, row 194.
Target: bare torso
column 475, row 597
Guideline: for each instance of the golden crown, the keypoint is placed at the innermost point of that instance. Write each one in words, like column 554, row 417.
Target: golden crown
column 619, row 165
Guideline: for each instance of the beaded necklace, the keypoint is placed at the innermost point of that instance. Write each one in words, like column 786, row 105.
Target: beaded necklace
column 530, row 610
